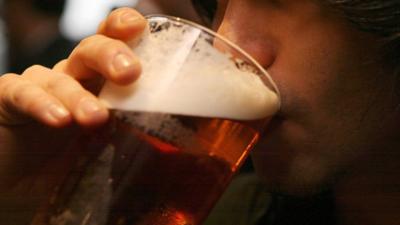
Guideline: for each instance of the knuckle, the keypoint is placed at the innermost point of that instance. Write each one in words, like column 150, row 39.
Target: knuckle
column 88, row 46
column 33, row 70
column 36, row 101
column 88, row 41
column 21, row 94
column 111, row 48
column 17, row 94
column 83, row 45
column 8, row 78
column 7, row 82
column 59, row 81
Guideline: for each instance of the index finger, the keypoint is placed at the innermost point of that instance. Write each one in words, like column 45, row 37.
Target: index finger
column 124, row 23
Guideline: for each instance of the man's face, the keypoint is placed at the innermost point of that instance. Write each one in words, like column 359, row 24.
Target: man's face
column 330, row 82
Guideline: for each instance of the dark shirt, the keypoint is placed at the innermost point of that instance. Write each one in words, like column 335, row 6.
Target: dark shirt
column 246, row 202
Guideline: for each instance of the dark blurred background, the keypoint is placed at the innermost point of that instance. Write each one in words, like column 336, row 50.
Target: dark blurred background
column 45, row 31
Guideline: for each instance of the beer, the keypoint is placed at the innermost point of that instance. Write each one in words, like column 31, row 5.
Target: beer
column 176, row 135
column 170, row 172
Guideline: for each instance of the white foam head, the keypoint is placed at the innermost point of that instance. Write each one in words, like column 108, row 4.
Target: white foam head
column 184, row 74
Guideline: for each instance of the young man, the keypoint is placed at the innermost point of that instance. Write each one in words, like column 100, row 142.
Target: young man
column 335, row 63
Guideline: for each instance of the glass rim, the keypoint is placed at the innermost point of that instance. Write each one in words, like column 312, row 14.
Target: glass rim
column 228, row 42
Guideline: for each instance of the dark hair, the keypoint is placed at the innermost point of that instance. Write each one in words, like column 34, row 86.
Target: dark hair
column 379, row 17
column 50, row 7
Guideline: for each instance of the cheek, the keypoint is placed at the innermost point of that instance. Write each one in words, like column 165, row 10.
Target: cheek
column 323, row 94
column 322, row 75
column 327, row 88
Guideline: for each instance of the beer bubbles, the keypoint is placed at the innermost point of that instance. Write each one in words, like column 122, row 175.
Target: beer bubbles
column 176, row 136
column 183, row 73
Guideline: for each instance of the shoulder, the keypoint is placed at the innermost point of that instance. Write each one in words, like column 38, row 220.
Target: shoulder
column 243, row 203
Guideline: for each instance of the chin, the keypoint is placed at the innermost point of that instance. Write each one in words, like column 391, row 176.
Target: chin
column 289, row 164
column 295, row 181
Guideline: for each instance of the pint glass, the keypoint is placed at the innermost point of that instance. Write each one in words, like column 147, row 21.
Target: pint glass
column 176, row 136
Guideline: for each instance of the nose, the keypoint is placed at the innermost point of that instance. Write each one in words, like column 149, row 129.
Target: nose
column 249, row 39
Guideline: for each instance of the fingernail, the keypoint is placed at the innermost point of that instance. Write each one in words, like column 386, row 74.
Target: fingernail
column 128, row 18
column 89, row 107
column 57, row 113
column 122, row 62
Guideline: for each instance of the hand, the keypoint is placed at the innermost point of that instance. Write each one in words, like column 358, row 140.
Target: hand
column 55, row 97
column 43, row 109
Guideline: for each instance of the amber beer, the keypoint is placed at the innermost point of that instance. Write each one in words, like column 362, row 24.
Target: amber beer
column 176, row 135
column 152, row 169
column 173, row 174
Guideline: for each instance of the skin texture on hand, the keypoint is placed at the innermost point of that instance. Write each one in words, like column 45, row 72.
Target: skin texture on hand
column 43, row 110
column 57, row 96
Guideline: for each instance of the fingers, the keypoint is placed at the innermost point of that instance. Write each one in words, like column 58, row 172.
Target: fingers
column 55, row 98
column 21, row 97
column 50, row 97
column 85, row 108
column 99, row 54
column 123, row 23
column 107, row 53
